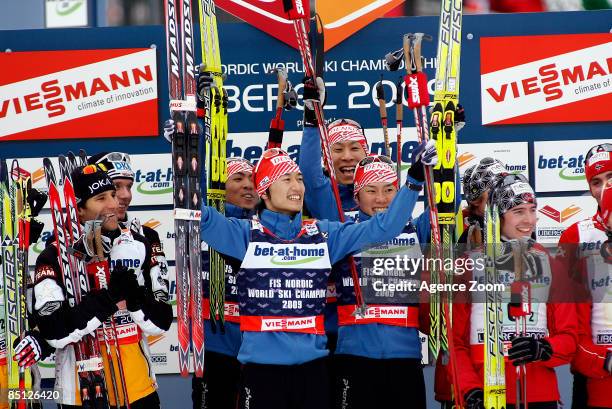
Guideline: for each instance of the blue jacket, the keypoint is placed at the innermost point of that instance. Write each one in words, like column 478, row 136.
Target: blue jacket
column 229, row 342
column 231, row 236
column 380, row 341
column 319, row 198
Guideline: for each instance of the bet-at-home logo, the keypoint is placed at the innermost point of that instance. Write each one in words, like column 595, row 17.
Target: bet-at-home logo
column 289, row 255
column 157, row 182
column 570, row 168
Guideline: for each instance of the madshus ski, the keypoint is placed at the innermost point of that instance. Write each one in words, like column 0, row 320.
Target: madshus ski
column 186, row 159
column 215, row 136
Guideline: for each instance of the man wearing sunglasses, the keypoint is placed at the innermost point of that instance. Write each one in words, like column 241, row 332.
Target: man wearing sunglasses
column 580, row 246
column 219, row 386
column 128, row 298
column 119, row 168
column 283, row 277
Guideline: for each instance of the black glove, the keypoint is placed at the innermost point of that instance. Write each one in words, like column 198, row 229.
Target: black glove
column 459, row 117
column 608, row 362
column 314, row 90
column 424, row 154
column 36, row 200
column 134, row 293
column 606, row 248
column 119, row 283
column 31, row 348
column 36, row 229
column 289, row 97
column 528, row 349
column 204, row 81
column 474, row 399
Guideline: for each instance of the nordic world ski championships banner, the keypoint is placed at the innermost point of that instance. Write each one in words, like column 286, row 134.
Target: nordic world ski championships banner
column 76, row 93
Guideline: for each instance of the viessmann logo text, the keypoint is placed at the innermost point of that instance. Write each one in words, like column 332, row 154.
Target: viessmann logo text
column 519, row 93
column 77, row 92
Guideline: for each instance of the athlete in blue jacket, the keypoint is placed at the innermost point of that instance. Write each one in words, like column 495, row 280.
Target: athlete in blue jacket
column 384, row 343
column 219, row 387
column 283, row 277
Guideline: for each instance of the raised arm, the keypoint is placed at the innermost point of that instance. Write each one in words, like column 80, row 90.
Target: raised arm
column 350, row 237
column 319, row 196
column 227, row 235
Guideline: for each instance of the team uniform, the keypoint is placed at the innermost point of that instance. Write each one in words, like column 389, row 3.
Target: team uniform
column 580, row 247
column 284, row 338
column 582, row 243
column 62, row 325
column 219, row 386
column 555, row 322
column 551, row 333
column 320, row 201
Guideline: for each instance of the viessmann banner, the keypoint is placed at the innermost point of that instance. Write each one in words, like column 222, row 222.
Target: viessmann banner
column 78, row 93
column 546, row 79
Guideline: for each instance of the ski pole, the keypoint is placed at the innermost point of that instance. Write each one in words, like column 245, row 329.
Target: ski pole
column 101, row 257
column 519, row 309
column 382, row 109
column 297, row 15
column 277, row 125
column 399, row 116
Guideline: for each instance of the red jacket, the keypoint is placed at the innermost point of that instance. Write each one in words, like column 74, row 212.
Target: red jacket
column 589, row 361
column 589, row 358
column 541, row 376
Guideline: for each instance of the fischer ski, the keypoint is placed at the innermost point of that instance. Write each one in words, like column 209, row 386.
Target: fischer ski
column 15, row 232
column 446, row 96
column 215, row 136
column 494, row 366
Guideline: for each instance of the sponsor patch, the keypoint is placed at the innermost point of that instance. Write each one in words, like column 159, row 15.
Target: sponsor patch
column 42, row 272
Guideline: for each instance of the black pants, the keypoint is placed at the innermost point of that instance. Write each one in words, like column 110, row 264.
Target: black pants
column 218, row 389
column 304, row 386
column 364, row 383
column 579, row 391
column 148, row 402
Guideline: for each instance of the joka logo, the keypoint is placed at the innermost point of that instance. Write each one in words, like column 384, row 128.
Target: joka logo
column 154, row 183
column 98, row 185
column 560, row 216
column 570, row 169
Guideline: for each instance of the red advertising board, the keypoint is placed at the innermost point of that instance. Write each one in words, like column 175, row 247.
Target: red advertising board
column 341, row 19
column 546, row 79
column 78, row 94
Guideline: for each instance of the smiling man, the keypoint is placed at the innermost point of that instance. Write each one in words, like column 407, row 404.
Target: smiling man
column 284, row 337
column 119, row 168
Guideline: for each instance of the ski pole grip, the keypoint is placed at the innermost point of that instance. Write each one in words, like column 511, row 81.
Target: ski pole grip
column 520, row 299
